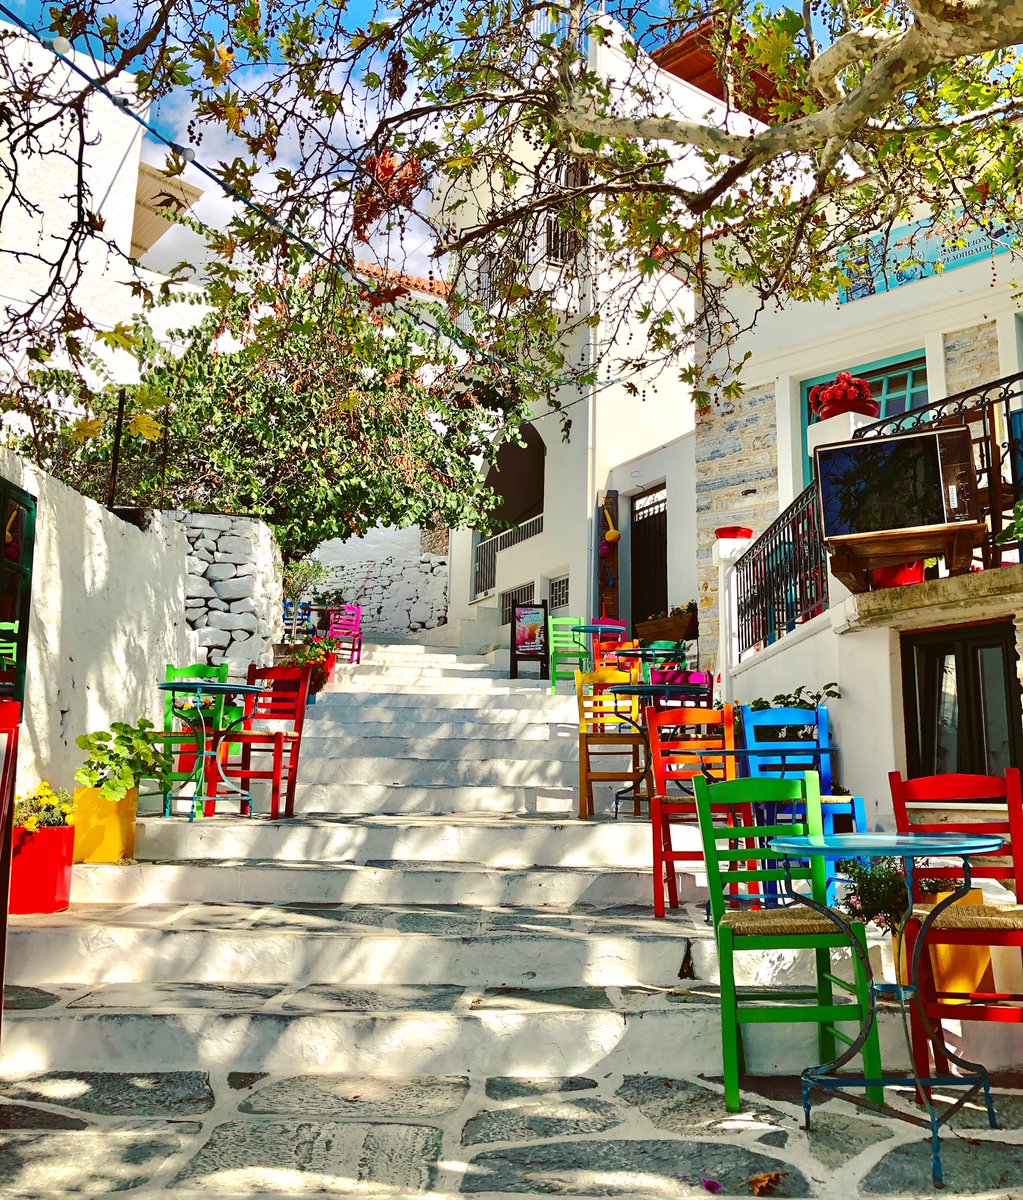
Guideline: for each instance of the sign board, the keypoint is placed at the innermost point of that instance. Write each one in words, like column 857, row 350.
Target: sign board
column 529, row 637
column 883, row 262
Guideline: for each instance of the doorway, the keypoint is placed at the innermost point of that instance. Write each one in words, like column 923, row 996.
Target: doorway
column 649, row 553
column 962, row 699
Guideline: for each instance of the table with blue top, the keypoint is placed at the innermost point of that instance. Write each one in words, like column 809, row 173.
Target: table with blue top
column 909, row 847
column 211, row 740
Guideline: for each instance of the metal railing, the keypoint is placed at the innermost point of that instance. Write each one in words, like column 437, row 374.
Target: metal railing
column 782, row 579
column 525, row 593
column 484, row 554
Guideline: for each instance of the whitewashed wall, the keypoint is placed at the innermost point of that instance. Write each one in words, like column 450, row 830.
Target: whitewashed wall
column 108, row 614
column 401, row 588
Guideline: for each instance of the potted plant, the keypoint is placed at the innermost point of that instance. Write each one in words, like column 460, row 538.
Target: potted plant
column 845, row 394
column 314, row 655
column 299, row 577
column 106, row 800
column 42, row 846
column 681, row 623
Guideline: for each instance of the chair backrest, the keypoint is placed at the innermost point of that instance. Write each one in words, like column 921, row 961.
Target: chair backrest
column 680, row 675
column 346, row 619
column 735, row 846
column 283, row 699
column 561, row 636
column 934, row 791
column 216, row 674
column 763, row 729
column 609, row 635
column 682, row 741
column 600, row 711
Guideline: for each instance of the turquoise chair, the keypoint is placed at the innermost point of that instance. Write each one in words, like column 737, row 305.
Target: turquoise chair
column 566, row 647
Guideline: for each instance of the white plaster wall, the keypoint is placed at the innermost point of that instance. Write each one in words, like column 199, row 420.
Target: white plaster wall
column 401, row 589
column 108, row 614
column 867, row 722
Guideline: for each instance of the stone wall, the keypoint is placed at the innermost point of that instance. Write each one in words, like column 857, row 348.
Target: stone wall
column 108, row 614
column 233, row 590
column 401, row 587
column 971, row 357
column 736, row 484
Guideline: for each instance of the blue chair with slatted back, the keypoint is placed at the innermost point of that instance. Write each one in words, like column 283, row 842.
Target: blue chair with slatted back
column 767, row 729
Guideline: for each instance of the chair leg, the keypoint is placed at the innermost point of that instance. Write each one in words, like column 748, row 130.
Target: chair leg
column 658, row 872
column 859, row 814
column 731, row 1031
column 636, row 807
column 669, row 863
column 825, row 998
column 584, row 764
column 873, row 1068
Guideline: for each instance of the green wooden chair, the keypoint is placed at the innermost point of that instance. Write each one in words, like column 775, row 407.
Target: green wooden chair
column 662, row 645
column 181, row 741
column 566, row 647
column 740, row 927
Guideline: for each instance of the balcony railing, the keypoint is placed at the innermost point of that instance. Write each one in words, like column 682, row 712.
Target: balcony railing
column 484, row 555
column 782, row 579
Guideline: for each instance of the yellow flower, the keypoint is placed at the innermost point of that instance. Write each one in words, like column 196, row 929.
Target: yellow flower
column 31, row 824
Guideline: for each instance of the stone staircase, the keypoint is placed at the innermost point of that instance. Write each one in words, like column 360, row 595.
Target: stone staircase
column 435, row 955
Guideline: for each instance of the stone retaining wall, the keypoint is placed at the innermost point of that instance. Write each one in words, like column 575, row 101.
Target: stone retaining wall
column 233, row 588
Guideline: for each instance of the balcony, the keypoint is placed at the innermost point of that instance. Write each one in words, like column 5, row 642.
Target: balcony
column 782, row 580
column 484, row 554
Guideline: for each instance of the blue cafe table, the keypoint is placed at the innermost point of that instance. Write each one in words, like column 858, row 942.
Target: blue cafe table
column 909, row 847
column 210, row 739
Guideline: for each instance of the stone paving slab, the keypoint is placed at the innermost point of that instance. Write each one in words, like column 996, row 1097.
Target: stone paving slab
column 191, row 1136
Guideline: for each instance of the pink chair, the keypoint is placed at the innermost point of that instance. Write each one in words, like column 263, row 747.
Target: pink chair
column 346, row 628
column 671, row 674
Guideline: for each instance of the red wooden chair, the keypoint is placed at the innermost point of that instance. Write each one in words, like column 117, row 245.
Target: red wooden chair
column 281, row 704
column 346, row 629
column 10, row 719
column 682, row 741
column 964, row 925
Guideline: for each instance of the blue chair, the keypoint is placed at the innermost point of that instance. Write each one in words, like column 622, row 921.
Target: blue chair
column 763, row 729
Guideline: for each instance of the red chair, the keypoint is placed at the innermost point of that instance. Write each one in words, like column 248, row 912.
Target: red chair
column 964, row 925
column 10, row 720
column 682, row 741
column 346, row 628
column 281, row 703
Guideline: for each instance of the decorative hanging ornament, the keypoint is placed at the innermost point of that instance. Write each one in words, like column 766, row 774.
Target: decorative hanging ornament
column 612, row 534
column 603, row 549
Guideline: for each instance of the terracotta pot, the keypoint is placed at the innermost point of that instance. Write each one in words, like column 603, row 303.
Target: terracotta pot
column 41, row 869
column 670, row 629
column 104, row 831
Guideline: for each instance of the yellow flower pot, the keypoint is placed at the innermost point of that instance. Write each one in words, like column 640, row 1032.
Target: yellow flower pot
column 958, row 968
column 104, row 831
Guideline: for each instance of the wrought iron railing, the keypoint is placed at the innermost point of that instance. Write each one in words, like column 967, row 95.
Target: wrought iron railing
column 484, row 555
column 782, row 579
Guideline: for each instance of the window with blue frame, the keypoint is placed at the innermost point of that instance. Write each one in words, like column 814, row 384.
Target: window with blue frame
column 897, row 384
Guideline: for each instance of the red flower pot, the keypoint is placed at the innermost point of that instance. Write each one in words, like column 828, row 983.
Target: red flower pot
column 886, row 577
column 868, row 408
column 733, row 531
column 41, row 869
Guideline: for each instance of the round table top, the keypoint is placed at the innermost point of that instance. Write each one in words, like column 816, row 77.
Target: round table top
column 888, row 845
column 651, row 652
column 212, row 687
column 658, row 689
column 597, row 627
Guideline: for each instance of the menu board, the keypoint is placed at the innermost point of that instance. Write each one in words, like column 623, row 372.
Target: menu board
column 529, row 637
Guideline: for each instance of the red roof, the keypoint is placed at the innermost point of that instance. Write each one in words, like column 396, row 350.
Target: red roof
column 415, row 283
column 692, row 59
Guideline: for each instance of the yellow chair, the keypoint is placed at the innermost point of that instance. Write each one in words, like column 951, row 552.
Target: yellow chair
column 609, row 727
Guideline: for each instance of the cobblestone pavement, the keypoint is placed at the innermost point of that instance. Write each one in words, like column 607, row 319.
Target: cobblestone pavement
column 185, row 1134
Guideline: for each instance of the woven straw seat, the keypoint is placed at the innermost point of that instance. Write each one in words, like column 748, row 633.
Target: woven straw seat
column 975, row 916
column 767, row 921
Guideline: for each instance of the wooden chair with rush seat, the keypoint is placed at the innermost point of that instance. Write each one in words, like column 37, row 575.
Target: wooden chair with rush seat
column 917, row 802
column 682, row 745
column 609, row 727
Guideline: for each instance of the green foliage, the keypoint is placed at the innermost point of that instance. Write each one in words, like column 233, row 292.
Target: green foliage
column 802, row 697
column 1013, row 531
column 877, row 890
column 119, row 757
column 44, row 809
column 300, row 575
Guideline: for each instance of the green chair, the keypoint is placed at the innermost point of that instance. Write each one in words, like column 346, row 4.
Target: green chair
column 180, row 741
column 735, row 877
column 680, row 660
column 566, row 647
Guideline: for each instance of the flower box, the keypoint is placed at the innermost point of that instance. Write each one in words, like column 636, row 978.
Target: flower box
column 685, row 628
column 41, row 869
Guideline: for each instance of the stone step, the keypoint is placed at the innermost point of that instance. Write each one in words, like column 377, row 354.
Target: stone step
column 562, row 744
column 313, row 799
column 519, row 772
column 508, row 726
column 419, row 656
column 363, row 946
column 501, row 842
column 396, row 1031
column 389, row 685
column 336, row 704
column 453, row 670
column 269, row 882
